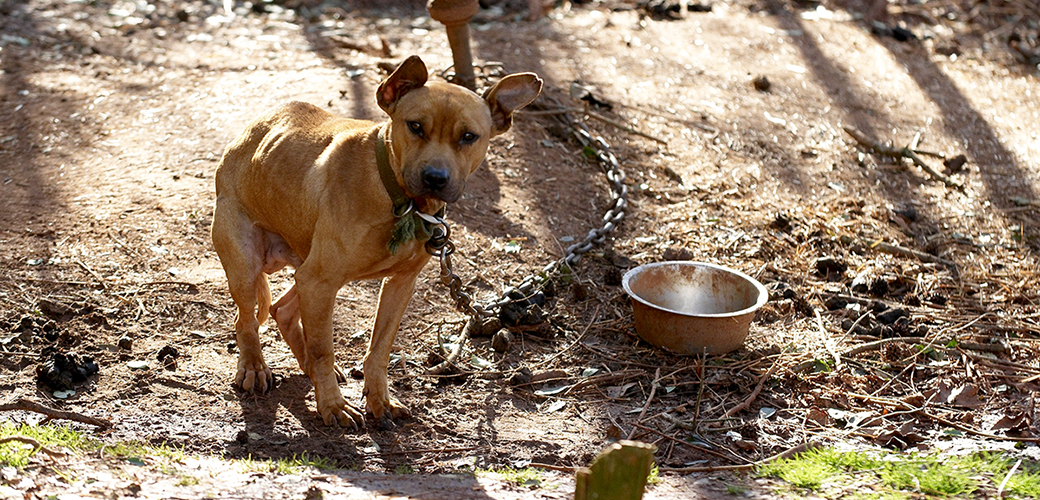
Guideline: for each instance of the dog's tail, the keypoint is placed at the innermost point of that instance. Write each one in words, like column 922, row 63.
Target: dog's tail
column 263, row 298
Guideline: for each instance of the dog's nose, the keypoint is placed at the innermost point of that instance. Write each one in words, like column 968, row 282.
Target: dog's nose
column 435, row 178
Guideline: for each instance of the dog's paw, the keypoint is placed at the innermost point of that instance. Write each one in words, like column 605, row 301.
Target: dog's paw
column 387, row 407
column 341, row 415
column 254, row 377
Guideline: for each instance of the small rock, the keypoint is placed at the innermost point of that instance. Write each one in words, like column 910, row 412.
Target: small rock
column 532, row 316
column 937, row 299
column 909, row 213
column 761, row 84
column 781, row 222
column 902, row 34
column 879, row 287
column 877, row 306
column 126, row 343
column 168, row 351
column 521, row 377
column 489, row 327
column 138, row 364
column 956, row 164
column 501, row 340
column 314, row 493
column 675, row 253
column 579, row 291
column 168, row 357
column 511, row 312
column 890, row 316
column 612, row 276
column 242, row 437
column 834, row 303
column 851, row 327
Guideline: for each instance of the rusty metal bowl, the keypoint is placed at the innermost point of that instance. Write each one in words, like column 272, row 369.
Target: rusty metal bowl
column 693, row 307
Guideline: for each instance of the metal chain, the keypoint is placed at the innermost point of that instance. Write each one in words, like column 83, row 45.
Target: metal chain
column 594, row 147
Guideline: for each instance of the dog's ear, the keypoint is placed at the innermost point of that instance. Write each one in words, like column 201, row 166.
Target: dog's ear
column 410, row 75
column 510, row 94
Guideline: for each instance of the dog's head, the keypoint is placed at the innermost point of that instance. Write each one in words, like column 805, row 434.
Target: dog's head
column 440, row 131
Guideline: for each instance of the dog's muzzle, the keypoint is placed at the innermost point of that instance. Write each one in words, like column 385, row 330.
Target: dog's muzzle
column 435, row 179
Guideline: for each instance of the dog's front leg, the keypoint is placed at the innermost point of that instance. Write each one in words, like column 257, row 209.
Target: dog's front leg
column 394, row 296
column 317, row 298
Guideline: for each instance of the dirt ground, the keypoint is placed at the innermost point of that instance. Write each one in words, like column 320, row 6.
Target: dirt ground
column 115, row 113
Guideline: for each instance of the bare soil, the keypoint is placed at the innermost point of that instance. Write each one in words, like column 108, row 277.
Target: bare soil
column 114, row 115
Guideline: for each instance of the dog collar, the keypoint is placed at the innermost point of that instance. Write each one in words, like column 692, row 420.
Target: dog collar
column 410, row 223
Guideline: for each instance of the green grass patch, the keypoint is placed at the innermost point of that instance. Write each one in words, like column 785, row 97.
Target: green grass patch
column 898, row 476
column 526, row 476
column 810, row 470
column 654, row 477
column 16, row 454
column 292, row 465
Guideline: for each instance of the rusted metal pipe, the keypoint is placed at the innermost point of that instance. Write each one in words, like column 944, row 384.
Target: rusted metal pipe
column 455, row 15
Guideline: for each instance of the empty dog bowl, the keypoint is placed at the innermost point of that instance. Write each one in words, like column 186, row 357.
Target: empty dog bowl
column 693, row 307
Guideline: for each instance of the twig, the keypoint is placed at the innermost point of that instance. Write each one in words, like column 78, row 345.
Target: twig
column 754, row 394
column 561, row 468
column 784, row 454
column 688, row 444
column 700, row 387
column 595, row 316
column 91, row 272
column 598, row 379
column 433, row 450
column 907, row 152
column 16, row 353
column 192, row 286
column 1000, row 490
column 949, row 423
column 624, row 127
column 900, row 251
column 26, row 405
column 37, row 446
column 870, row 346
column 449, row 361
column 828, row 342
column 653, row 390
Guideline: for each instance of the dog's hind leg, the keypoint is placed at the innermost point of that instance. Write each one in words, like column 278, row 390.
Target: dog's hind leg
column 239, row 244
column 286, row 313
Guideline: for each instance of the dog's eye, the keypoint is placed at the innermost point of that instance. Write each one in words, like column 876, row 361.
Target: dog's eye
column 416, row 128
column 468, row 138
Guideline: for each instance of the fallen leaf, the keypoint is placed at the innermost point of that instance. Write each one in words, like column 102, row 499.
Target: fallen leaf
column 552, row 390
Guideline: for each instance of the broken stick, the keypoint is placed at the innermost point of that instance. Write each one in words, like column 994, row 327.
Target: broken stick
column 891, row 152
column 26, row 405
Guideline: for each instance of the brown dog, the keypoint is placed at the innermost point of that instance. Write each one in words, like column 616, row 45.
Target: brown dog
column 332, row 197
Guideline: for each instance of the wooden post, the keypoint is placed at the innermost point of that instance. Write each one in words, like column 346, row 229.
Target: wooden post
column 618, row 473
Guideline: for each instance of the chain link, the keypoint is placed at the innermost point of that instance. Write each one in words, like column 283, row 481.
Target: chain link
column 594, row 147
